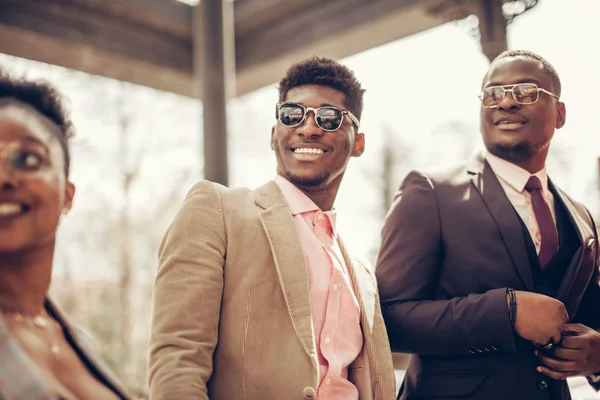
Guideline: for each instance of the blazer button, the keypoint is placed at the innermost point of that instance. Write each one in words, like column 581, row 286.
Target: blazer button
column 309, row 393
column 542, row 385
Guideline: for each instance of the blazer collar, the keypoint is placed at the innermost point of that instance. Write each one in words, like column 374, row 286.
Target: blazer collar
column 492, row 193
column 504, row 215
column 568, row 292
column 276, row 219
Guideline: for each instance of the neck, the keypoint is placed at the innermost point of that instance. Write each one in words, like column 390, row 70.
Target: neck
column 324, row 195
column 531, row 163
column 25, row 279
column 532, row 166
column 323, row 198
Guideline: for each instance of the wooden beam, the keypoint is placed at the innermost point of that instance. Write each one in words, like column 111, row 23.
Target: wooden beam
column 26, row 44
column 262, row 55
column 149, row 42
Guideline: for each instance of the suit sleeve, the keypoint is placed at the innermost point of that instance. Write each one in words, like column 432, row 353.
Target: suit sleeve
column 407, row 270
column 187, row 298
column 588, row 313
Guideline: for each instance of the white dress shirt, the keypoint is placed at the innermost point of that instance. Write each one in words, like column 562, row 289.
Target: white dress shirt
column 513, row 180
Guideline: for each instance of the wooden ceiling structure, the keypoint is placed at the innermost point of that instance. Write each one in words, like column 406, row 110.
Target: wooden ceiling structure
column 222, row 48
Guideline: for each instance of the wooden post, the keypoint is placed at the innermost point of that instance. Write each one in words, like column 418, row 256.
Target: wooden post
column 214, row 71
column 492, row 27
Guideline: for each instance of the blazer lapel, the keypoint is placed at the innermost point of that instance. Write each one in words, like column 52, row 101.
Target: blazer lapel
column 378, row 351
column 276, row 219
column 567, row 292
column 503, row 213
column 364, row 289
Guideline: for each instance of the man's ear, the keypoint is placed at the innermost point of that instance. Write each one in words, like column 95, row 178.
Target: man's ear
column 69, row 195
column 273, row 137
column 359, row 145
column 561, row 114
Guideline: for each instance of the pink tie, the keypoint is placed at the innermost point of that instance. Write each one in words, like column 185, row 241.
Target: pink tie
column 549, row 245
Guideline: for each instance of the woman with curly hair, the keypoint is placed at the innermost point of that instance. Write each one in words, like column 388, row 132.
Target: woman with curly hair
column 43, row 355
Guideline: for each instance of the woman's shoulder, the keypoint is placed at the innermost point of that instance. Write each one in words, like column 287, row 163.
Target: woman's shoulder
column 84, row 345
column 19, row 376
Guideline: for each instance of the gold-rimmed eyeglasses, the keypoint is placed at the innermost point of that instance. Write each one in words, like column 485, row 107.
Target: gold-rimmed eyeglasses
column 523, row 93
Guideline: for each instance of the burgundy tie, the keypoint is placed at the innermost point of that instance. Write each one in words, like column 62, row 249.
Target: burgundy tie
column 549, row 245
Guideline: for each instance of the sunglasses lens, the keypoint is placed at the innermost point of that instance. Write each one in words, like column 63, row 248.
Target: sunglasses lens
column 291, row 115
column 526, row 93
column 492, row 96
column 329, row 119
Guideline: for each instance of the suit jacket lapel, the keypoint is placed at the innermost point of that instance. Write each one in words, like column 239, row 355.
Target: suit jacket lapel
column 276, row 219
column 503, row 213
column 582, row 225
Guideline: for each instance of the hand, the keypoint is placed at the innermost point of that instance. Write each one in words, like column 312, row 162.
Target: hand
column 574, row 356
column 540, row 318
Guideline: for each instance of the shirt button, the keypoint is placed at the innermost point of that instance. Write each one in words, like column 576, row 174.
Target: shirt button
column 320, row 217
column 309, row 393
column 335, row 287
column 327, row 340
column 327, row 381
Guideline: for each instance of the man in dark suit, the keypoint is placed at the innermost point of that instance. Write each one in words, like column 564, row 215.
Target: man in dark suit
column 488, row 272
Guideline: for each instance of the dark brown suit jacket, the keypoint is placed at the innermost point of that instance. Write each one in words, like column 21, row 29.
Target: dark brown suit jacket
column 452, row 244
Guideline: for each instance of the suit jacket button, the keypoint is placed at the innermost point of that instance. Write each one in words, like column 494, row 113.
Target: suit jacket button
column 494, row 347
column 309, row 393
column 543, row 385
column 472, row 350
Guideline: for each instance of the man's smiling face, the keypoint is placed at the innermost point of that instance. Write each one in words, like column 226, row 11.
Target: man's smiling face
column 308, row 156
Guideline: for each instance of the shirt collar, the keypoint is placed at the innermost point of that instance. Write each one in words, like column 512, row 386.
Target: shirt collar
column 299, row 202
column 514, row 175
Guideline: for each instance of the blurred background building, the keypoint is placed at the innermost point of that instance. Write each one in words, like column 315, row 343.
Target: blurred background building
column 165, row 93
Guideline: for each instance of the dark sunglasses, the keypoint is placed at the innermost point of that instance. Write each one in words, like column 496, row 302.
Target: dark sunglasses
column 328, row 118
column 523, row 93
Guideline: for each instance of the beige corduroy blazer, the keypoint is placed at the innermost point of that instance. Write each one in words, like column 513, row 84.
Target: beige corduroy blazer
column 231, row 308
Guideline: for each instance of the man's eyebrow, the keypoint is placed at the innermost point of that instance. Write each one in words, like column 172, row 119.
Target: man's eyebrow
column 524, row 80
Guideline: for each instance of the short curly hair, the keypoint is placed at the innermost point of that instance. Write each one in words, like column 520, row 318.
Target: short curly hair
column 548, row 68
column 326, row 72
column 44, row 98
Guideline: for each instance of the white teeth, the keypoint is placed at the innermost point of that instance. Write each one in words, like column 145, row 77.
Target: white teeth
column 9, row 209
column 306, row 150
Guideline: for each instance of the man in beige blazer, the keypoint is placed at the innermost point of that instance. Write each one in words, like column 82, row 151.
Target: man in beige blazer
column 235, row 294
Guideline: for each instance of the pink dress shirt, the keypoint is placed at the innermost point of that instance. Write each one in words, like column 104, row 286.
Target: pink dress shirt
column 334, row 307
